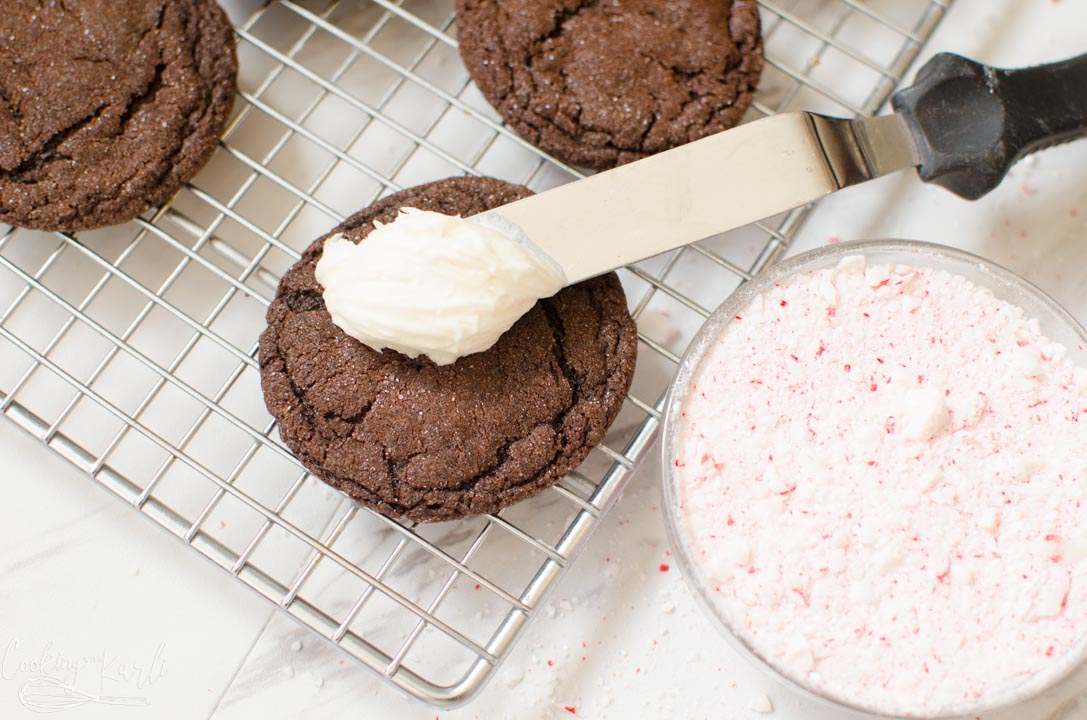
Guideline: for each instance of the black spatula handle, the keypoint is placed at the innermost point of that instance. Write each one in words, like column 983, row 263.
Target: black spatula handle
column 973, row 122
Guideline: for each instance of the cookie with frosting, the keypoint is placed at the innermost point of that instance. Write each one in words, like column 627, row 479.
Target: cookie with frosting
column 410, row 438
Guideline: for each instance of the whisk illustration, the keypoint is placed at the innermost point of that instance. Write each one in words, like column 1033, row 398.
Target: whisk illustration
column 45, row 694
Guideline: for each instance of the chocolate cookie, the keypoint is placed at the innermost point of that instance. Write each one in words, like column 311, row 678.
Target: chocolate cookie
column 409, row 438
column 107, row 106
column 599, row 83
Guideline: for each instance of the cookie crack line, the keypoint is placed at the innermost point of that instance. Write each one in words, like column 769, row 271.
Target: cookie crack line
column 305, row 301
column 13, row 110
column 48, row 152
column 558, row 334
column 137, row 102
column 471, row 483
column 563, row 16
column 308, row 411
column 156, row 27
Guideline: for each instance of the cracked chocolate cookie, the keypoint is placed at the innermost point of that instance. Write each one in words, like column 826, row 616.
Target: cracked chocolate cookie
column 599, row 83
column 409, row 438
column 107, row 106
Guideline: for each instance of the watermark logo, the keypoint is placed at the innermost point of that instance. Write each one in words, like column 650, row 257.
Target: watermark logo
column 46, row 694
column 51, row 680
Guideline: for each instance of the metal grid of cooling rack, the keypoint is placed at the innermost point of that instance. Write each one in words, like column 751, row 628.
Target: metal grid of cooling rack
column 131, row 351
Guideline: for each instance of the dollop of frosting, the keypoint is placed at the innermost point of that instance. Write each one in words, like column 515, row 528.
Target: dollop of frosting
column 433, row 284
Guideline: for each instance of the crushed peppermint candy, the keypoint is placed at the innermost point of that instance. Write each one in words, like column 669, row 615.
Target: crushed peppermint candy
column 760, row 704
column 880, row 471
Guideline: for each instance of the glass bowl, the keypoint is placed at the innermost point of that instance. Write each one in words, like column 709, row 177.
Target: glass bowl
column 1055, row 324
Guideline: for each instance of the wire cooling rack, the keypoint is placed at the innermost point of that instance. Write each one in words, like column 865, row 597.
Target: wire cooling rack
column 131, row 351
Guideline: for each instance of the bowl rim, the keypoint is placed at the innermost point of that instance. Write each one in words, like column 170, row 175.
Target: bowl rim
column 689, row 365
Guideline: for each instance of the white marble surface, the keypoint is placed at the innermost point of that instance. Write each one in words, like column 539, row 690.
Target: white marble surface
column 96, row 597
column 115, row 607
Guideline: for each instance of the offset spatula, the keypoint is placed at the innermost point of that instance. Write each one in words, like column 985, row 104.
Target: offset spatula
column 963, row 125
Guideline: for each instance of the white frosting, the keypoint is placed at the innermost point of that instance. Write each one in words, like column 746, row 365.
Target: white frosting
column 880, row 476
column 432, row 284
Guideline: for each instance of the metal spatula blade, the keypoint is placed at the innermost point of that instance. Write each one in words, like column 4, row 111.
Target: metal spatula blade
column 962, row 124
